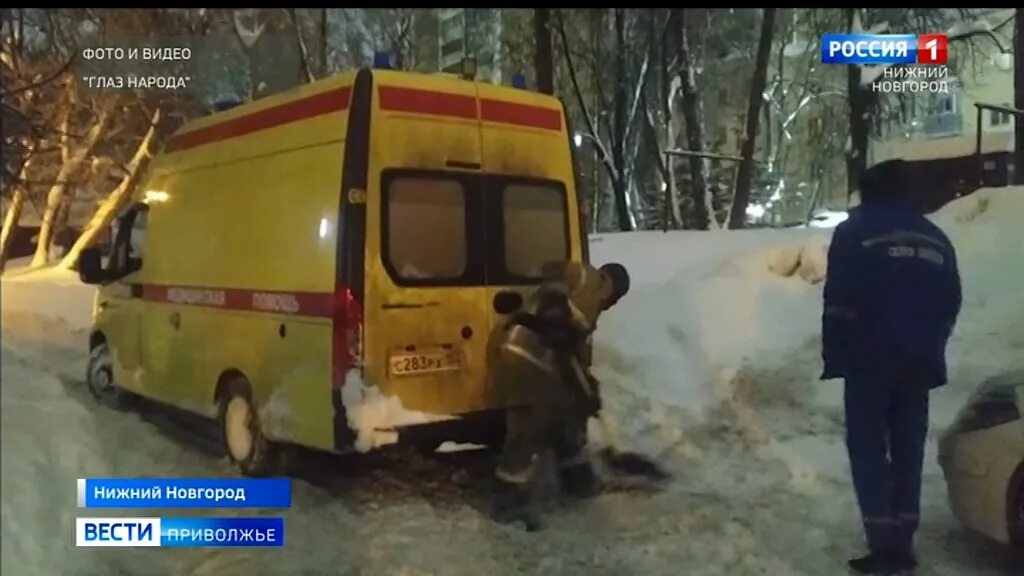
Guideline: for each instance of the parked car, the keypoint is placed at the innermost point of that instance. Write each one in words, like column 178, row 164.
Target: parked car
column 982, row 457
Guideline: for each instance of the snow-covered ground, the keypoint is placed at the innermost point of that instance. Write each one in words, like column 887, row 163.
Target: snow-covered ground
column 711, row 363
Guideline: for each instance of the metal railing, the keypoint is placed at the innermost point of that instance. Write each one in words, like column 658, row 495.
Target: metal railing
column 1018, row 116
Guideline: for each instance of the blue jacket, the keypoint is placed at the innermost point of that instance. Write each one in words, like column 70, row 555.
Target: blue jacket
column 892, row 296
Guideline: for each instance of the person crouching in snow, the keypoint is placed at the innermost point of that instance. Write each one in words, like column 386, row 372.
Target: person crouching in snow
column 892, row 296
column 544, row 348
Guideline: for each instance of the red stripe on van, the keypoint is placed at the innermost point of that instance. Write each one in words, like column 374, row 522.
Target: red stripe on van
column 302, row 109
column 315, row 304
column 399, row 99
column 520, row 114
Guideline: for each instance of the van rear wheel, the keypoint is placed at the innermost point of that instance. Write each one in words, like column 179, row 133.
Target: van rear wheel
column 244, row 442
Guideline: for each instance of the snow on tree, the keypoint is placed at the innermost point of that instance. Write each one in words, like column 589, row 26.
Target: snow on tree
column 103, row 216
column 80, row 137
column 73, row 153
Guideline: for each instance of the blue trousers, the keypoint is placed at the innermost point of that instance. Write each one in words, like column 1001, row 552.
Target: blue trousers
column 886, row 429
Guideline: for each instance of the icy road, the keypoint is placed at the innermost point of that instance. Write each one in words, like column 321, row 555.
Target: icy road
column 712, row 366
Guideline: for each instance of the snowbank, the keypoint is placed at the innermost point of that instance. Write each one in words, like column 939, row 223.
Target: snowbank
column 56, row 293
column 704, row 304
column 986, row 229
column 722, row 329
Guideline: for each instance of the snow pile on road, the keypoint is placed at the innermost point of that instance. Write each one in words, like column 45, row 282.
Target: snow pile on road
column 986, row 229
column 48, row 293
column 704, row 304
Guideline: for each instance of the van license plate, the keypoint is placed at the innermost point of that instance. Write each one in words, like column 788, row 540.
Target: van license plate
column 418, row 363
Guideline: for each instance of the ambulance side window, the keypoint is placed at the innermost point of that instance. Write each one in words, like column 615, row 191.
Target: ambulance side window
column 128, row 234
column 425, row 230
column 535, row 228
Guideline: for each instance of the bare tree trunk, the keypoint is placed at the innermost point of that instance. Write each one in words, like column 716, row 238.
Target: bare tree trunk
column 323, row 43
column 604, row 157
column 305, row 70
column 1018, row 97
column 11, row 220
column 666, row 102
column 619, row 119
column 693, row 121
column 741, row 197
column 21, row 31
column 669, row 102
column 13, row 215
column 62, row 229
column 54, row 200
column 543, row 59
column 596, row 34
column 812, row 204
column 857, row 147
column 71, row 162
column 105, row 214
column 247, row 39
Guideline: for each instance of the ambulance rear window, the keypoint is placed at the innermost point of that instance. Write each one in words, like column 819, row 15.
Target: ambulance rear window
column 426, row 229
column 535, row 228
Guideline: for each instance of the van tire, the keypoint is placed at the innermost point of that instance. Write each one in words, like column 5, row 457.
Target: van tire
column 1015, row 512
column 243, row 439
column 99, row 378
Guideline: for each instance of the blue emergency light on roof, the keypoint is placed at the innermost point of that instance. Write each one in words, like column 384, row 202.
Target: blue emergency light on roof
column 382, row 60
column 519, row 81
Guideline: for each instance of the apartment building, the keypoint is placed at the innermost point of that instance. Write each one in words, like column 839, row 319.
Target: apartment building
column 939, row 131
column 470, row 32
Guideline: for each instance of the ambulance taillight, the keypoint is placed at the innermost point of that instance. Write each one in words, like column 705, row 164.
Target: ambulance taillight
column 348, row 334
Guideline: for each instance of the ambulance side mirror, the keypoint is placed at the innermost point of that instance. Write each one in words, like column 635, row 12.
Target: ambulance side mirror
column 90, row 266
column 506, row 302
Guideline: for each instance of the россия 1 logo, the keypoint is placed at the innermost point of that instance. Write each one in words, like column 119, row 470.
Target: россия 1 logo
column 884, row 49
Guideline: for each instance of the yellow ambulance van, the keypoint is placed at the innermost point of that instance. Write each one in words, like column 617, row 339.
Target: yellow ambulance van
column 319, row 267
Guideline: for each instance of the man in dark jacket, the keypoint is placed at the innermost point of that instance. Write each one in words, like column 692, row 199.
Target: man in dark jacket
column 543, row 349
column 892, row 296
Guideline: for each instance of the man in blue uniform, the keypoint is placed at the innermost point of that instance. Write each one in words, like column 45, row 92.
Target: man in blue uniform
column 892, row 296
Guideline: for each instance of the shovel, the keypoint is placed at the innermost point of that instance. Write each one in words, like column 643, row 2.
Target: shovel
column 626, row 462
column 620, row 461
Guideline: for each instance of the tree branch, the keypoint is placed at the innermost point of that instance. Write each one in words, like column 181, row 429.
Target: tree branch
column 246, row 37
column 60, row 71
column 637, row 97
column 65, row 153
column 873, row 72
column 605, row 156
column 652, row 135
column 990, row 34
column 306, row 71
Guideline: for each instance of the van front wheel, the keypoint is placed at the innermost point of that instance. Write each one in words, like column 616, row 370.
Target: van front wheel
column 244, row 441
column 1015, row 516
column 100, row 378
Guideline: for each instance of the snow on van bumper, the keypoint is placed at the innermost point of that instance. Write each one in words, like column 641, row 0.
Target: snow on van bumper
column 375, row 418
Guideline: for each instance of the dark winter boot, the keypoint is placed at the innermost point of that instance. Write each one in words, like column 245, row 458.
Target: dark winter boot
column 903, row 561
column 903, row 546
column 579, row 480
column 875, row 563
column 513, row 504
